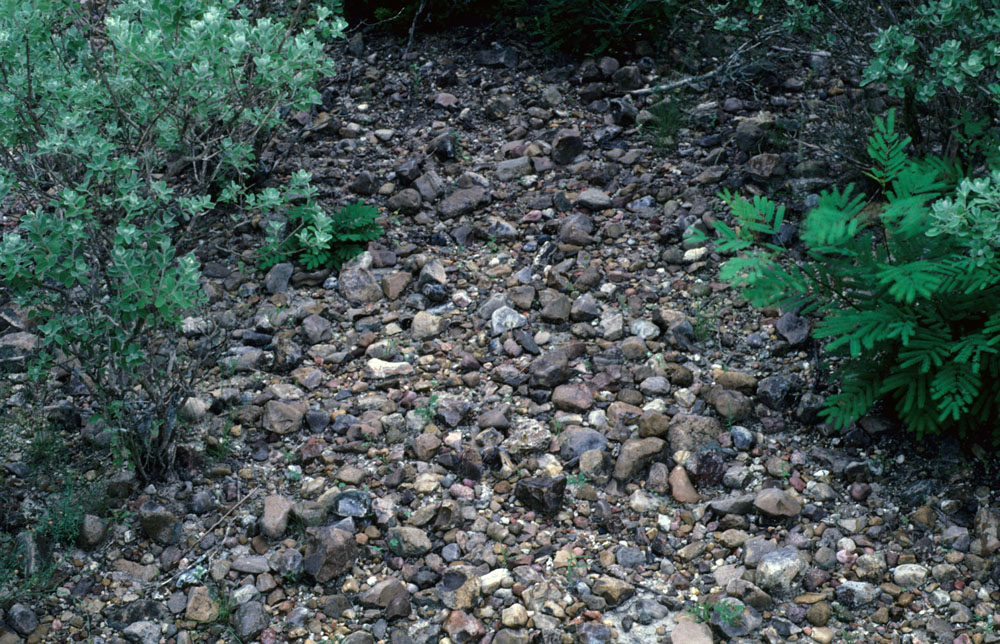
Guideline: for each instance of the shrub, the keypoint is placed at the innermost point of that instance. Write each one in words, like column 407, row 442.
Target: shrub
column 944, row 54
column 907, row 290
column 116, row 118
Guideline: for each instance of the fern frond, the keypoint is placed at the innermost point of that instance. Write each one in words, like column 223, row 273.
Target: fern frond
column 928, row 348
column 887, row 150
column 908, row 281
column 856, row 397
column 953, row 389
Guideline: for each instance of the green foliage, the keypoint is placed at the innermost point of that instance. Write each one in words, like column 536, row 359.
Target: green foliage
column 743, row 17
column 117, row 118
column 669, row 117
column 723, row 611
column 429, row 409
column 887, row 150
column 908, row 292
column 309, row 234
column 939, row 46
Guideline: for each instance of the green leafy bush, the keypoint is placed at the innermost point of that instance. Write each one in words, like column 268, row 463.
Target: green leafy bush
column 117, row 118
column 309, row 234
column 948, row 49
column 907, row 290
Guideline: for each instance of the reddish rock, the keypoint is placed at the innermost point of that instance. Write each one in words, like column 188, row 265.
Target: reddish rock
column 681, row 488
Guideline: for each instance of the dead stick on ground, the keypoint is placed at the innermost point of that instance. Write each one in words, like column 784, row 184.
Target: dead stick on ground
column 206, row 531
column 731, row 62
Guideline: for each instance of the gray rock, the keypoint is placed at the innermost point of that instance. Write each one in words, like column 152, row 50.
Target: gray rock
column 594, row 199
column 430, row 185
column 513, row 169
column 426, row 326
column 407, row 541
column 691, row 633
column 690, row 432
column 584, row 309
column 579, row 440
column 330, row 553
column 774, row 391
column 363, row 183
column 856, row 594
column 249, row 620
column 793, row 328
column 92, row 532
column 777, row 504
column 741, row 504
column 283, row 417
column 359, row 286
column 577, row 229
column 159, row 523
column 550, row 369
column 635, row 454
column 407, row 201
column 22, row 619
column 17, row 347
column 627, row 78
column 142, row 632
column 573, row 398
column 276, row 280
column 956, row 537
column 462, row 202
column 317, row 329
column 777, row 570
column 506, row 319
column 910, row 575
column 274, row 519
column 566, row 145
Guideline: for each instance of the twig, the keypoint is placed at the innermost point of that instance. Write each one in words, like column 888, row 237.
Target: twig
column 413, row 27
column 203, row 533
column 724, row 67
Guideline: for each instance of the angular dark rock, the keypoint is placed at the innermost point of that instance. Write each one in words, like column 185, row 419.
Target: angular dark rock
column 543, row 493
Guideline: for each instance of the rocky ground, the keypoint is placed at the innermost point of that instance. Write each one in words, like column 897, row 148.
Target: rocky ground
column 532, row 413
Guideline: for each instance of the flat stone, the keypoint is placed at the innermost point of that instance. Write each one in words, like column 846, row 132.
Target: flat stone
column 775, row 503
column 613, row 590
column 380, row 369
column 462, row 202
column 513, row 169
column 200, row 606
column 573, row 398
column 283, row 417
column 594, row 199
column 635, row 454
column 274, row 520
column 689, row 432
column 407, row 541
column 910, row 575
column 691, row 633
column 252, row 564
